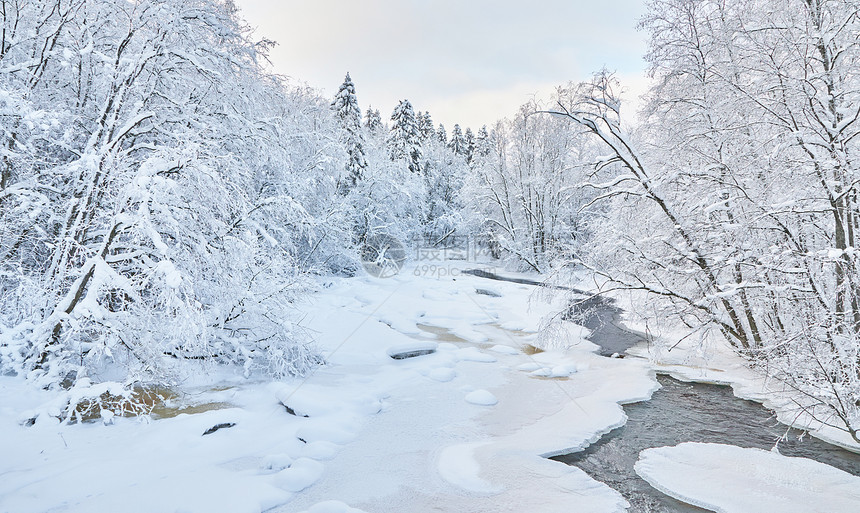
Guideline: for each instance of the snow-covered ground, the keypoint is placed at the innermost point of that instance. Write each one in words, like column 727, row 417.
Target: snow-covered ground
column 466, row 428
column 730, row 479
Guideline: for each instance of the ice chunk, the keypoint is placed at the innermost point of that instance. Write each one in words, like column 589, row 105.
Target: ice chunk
column 730, row 478
column 442, row 374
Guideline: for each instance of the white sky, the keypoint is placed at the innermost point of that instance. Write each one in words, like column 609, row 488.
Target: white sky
column 466, row 61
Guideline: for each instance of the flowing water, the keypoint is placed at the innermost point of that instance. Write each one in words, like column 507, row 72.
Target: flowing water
column 679, row 412
column 693, row 412
column 683, row 412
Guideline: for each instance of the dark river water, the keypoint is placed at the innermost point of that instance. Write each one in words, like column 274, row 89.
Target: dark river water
column 692, row 412
column 682, row 412
column 678, row 412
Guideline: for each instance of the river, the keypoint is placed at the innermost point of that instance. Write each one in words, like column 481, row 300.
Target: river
column 678, row 412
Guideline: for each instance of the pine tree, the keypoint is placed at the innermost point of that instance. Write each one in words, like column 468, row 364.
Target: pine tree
column 441, row 134
column 425, row 126
column 469, row 149
column 404, row 139
column 457, row 144
column 373, row 120
column 345, row 106
column 482, row 143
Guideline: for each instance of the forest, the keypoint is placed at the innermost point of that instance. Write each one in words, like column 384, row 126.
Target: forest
column 166, row 198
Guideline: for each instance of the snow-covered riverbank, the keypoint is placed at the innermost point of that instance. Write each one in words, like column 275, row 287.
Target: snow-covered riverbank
column 381, row 434
column 465, row 428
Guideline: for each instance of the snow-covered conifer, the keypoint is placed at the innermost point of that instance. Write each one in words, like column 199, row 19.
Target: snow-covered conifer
column 345, row 106
column 441, row 134
column 483, row 145
column 425, row 126
column 457, row 144
column 404, row 139
column 469, row 144
column 373, row 120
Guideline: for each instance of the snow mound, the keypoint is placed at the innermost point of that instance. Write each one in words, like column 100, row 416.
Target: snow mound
column 442, row 374
column 277, row 462
column 561, row 371
column 727, row 478
column 320, row 450
column 317, row 401
column 481, row 397
column 458, row 466
column 301, row 474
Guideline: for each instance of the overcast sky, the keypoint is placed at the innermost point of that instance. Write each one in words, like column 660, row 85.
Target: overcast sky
column 466, row 61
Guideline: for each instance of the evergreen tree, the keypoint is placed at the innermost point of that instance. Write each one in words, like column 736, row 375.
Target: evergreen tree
column 345, row 106
column 373, row 120
column 404, row 139
column 441, row 134
column 482, row 143
column 425, row 126
column 457, row 144
column 469, row 146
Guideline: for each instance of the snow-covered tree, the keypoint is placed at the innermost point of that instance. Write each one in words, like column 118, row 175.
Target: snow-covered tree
column 155, row 204
column 345, row 106
column 404, row 138
column 441, row 134
column 373, row 120
column 734, row 207
column 522, row 192
column 444, row 176
column 457, row 143
column 425, row 126
column 469, row 144
column 756, row 115
column 483, row 144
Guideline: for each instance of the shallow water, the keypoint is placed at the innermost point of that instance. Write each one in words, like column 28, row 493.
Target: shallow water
column 604, row 320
